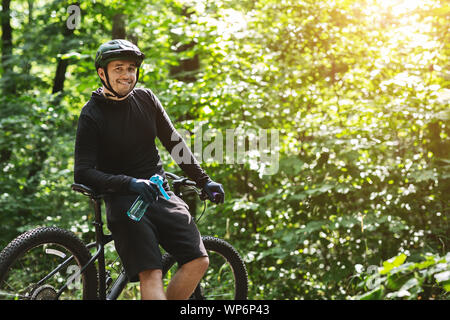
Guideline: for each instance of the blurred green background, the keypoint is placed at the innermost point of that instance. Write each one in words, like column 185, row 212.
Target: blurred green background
column 358, row 91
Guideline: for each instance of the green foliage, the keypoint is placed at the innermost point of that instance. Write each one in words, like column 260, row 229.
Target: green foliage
column 428, row 278
column 358, row 90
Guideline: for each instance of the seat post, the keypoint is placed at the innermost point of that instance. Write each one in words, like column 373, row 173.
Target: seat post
column 100, row 239
column 98, row 222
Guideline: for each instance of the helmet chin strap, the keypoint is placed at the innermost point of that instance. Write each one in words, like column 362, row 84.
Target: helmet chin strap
column 109, row 87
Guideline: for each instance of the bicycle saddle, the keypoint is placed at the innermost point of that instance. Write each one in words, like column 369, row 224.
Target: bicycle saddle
column 85, row 190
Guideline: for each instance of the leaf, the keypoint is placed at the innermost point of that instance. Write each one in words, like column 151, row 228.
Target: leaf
column 392, row 263
column 313, row 226
column 423, row 175
column 410, row 283
column 375, row 294
column 75, row 55
column 425, row 264
column 446, row 286
column 403, row 293
column 394, row 282
column 443, row 276
column 293, row 164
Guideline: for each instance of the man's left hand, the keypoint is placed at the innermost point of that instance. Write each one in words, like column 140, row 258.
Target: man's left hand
column 215, row 192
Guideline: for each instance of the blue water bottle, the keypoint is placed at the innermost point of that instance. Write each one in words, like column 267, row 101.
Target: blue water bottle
column 139, row 206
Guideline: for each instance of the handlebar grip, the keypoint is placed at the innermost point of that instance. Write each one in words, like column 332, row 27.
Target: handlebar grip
column 204, row 196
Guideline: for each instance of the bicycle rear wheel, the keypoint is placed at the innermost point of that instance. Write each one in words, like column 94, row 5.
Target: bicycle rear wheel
column 44, row 264
column 226, row 277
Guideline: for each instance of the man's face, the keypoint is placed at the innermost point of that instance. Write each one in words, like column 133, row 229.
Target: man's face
column 122, row 75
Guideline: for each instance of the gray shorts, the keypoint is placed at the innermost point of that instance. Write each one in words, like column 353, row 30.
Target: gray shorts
column 167, row 223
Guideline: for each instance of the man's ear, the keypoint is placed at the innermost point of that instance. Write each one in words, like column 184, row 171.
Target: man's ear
column 101, row 73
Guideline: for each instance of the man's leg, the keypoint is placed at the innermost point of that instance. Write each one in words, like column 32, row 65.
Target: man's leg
column 151, row 285
column 186, row 279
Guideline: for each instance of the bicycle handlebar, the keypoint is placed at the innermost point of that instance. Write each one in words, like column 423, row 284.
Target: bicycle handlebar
column 183, row 181
column 180, row 180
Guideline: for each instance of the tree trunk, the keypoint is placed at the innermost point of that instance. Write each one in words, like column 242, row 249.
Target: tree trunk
column 187, row 69
column 60, row 75
column 118, row 28
column 27, row 64
column 9, row 86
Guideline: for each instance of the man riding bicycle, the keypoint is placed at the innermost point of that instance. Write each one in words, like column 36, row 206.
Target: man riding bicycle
column 115, row 153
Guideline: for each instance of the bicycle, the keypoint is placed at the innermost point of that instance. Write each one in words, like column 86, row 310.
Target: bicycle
column 51, row 263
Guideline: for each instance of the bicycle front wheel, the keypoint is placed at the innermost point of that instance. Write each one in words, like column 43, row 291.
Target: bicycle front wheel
column 226, row 277
column 45, row 264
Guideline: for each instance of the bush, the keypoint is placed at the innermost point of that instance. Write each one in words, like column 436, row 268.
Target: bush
column 428, row 278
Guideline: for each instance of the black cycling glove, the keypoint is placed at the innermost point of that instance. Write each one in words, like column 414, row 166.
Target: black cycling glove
column 214, row 191
column 147, row 189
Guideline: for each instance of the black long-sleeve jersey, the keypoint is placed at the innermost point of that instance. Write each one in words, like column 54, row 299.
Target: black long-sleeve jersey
column 115, row 142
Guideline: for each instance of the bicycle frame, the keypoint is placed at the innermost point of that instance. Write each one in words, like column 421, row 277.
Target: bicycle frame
column 101, row 239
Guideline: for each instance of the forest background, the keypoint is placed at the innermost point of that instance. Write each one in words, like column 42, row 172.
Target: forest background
column 358, row 91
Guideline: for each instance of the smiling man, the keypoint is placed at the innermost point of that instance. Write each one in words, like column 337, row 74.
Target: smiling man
column 116, row 154
column 123, row 75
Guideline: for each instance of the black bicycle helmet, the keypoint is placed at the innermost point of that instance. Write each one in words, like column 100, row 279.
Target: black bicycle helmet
column 117, row 49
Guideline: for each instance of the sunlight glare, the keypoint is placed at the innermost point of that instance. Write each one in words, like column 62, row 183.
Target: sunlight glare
column 400, row 7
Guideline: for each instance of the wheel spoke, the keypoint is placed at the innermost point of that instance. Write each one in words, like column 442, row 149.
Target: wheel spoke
column 36, row 268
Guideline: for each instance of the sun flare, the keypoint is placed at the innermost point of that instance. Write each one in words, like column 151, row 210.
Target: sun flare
column 400, row 7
